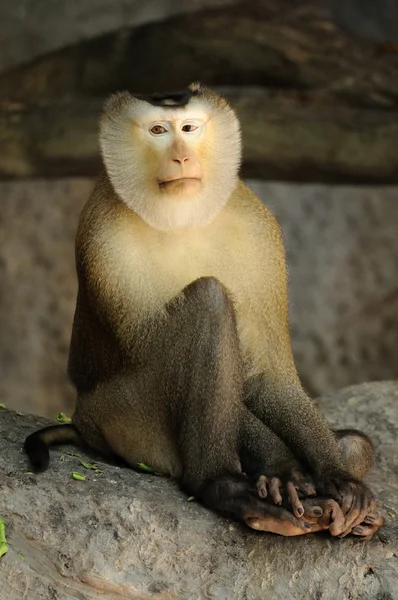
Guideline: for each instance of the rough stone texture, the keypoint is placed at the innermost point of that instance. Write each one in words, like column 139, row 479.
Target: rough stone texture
column 278, row 44
column 315, row 104
column 30, row 29
column 342, row 251
column 378, row 21
column 286, row 137
column 38, row 287
column 342, row 255
column 133, row 535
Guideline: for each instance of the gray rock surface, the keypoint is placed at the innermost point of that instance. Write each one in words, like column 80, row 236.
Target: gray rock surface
column 122, row 534
column 30, row 29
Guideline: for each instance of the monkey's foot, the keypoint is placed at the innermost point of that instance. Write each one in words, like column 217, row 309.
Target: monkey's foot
column 283, row 522
column 234, row 496
column 295, row 485
column 320, row 514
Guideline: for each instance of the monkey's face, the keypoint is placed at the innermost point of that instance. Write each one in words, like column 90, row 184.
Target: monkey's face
column 173, row 143
column 174, row 159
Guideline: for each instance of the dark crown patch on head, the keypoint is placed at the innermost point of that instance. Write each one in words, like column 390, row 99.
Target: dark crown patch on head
column 168, row 99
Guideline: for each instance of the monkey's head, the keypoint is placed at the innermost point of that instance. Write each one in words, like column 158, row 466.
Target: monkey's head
column 172, row 158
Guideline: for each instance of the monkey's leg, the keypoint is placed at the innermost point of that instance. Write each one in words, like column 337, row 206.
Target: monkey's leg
column 357, row 451
column 271, row 465
column 180, row 412
column 285, row 408
column 210, row 409
column 358, row 455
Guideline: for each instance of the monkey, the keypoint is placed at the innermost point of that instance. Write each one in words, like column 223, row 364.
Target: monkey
column 180, row 349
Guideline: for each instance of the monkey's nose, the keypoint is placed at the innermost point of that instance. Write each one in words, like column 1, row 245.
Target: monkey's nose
column 181, row 160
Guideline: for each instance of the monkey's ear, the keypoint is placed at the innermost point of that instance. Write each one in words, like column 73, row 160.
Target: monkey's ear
column 195, row 87
column 117, row 101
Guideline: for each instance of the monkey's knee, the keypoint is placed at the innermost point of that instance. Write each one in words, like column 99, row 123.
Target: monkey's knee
column 208, row 289
column 357, row 450
column 211, row 294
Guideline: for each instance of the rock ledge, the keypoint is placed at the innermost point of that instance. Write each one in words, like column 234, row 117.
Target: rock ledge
column 121, row 534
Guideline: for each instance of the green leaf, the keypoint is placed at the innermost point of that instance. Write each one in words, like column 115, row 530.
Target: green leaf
column 87, row 465
column 29, row 473
column 2, row 405
column 62, row 458
column 392, row 515
column 78, row 476
column 74, row 454
column 21, row 556
column 191, row 498
column 63, row 418
column 3, row 541
column 147, row 469
column 144, row 467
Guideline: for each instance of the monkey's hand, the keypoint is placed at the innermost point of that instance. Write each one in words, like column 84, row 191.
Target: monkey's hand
column 290, row 487
column 356, row 501
column 333, row 517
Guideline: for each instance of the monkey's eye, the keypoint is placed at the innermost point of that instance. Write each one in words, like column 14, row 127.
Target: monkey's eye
column 189, row 128
column 158, row 130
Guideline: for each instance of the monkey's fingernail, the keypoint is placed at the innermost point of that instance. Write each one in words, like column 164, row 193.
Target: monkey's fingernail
column 370, row 519
column 307, row 525
column 317, row 511
column 358, row 530
column 300, row 510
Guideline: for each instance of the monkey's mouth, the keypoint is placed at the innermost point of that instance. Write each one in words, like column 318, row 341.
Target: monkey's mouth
column 180, row 185
column 179, row 180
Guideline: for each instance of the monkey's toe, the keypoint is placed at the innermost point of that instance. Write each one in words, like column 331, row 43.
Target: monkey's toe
column 282, row 522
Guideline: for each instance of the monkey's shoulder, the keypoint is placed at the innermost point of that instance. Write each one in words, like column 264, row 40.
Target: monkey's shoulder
column 258, row 221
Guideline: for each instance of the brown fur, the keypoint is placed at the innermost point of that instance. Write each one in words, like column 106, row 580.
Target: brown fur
column 181, row 336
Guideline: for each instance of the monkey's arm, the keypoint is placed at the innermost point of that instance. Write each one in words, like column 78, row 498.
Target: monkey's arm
column 111, row 277
column 275, row 394
column 270, row 464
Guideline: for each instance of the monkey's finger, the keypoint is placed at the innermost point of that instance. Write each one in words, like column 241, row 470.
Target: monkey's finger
column 365, row 532
column 326, row 513
column 294, row 500
column 360, row 518
column 261, row 486
column 303, row 483
column 358, row 512
column 347, row 503
column 374, row 520
column 274, row 490
column 313, row 510
column 307, row 488
column 372, row 507
column 334, row 517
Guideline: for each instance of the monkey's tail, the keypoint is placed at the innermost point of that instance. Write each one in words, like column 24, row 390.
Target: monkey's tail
column 37, row 443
